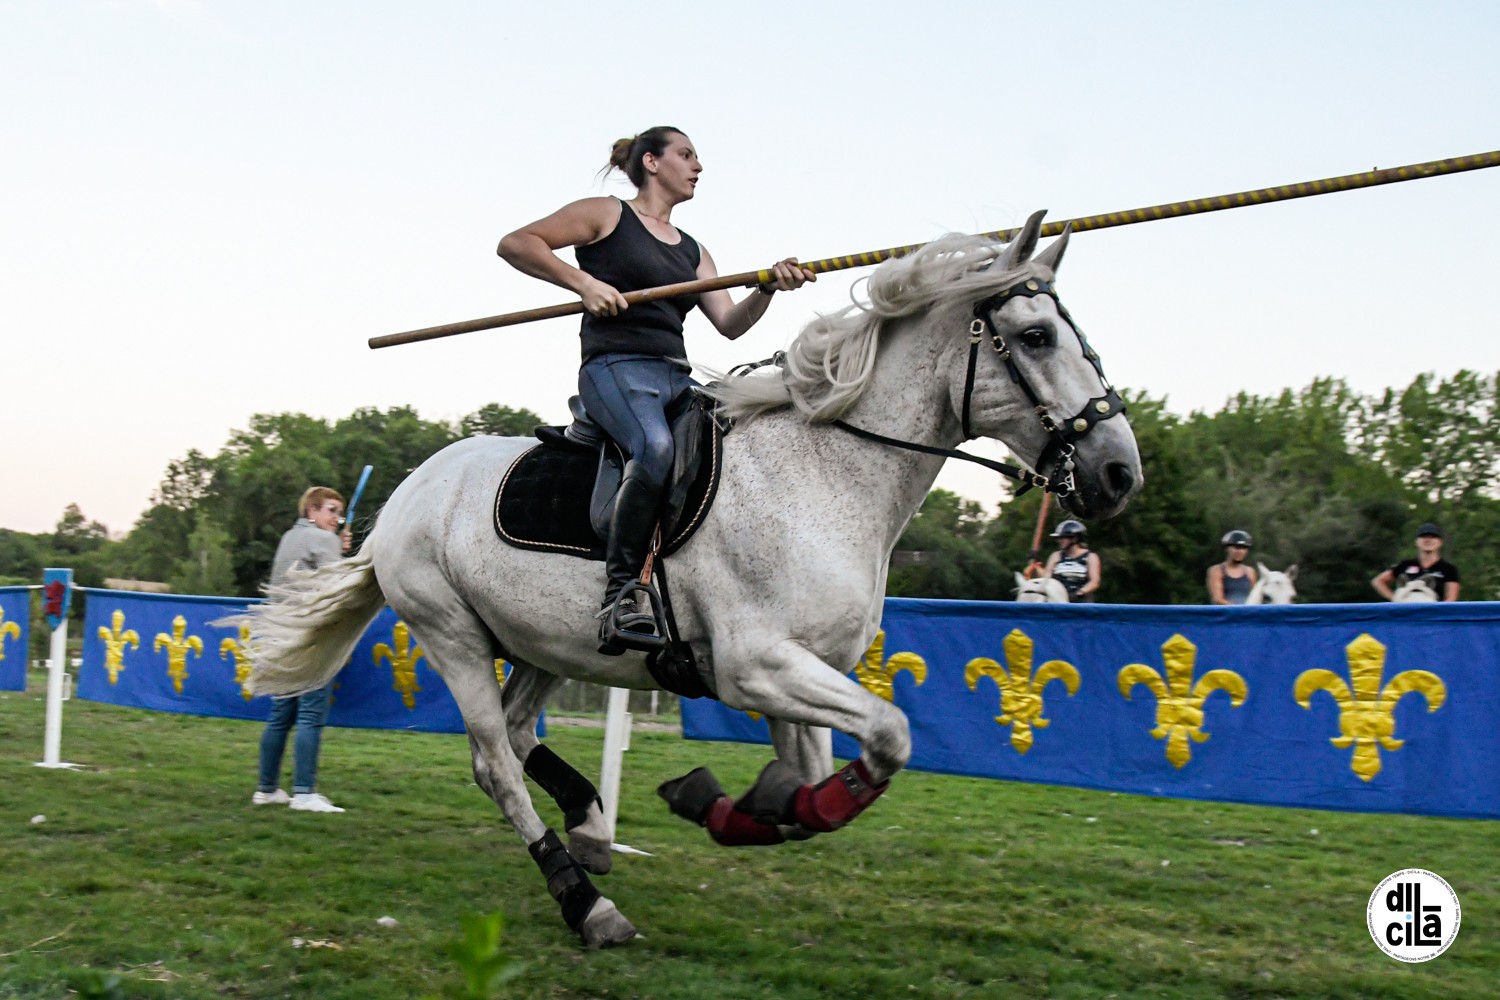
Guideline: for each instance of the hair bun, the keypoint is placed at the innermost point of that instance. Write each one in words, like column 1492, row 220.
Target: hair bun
column 619, row 153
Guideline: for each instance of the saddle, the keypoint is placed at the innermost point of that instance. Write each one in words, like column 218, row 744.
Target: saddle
column 558, row 495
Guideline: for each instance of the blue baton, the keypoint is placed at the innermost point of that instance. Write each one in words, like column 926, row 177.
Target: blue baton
column 364, row 477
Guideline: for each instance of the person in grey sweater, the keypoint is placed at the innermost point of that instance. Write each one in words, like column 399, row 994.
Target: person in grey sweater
column 313, row 541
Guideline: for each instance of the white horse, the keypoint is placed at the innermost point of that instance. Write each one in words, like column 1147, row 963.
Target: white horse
column 780, row 590
column 1042, row 590
column 1418, row 590
column 1274, row 586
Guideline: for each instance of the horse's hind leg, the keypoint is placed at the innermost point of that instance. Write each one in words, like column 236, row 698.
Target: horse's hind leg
column 461, row 653
column 525, row 693
column 794, row 686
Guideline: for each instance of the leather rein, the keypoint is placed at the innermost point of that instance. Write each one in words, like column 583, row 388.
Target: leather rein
column 1058, row 454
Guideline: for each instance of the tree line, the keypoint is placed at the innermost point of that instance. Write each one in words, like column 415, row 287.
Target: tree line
column 1324, row 477
column 214, row 521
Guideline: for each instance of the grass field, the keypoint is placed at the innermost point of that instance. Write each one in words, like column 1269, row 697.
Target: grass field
column 153, row 865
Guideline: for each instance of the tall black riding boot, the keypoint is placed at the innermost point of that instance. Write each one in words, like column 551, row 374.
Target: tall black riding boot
column 628, row 622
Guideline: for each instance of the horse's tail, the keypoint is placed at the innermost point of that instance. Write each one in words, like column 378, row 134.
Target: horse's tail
column 302, row 636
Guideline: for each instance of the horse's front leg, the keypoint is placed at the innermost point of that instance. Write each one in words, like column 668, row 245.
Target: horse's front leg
column 796, row 687
column 525, row 693
column 807, row 750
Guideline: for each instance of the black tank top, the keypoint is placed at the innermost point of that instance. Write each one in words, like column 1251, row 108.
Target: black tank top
column 630, row 259
column 1073, row 572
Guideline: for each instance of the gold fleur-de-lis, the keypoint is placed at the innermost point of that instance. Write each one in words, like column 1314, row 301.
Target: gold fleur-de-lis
column 114, row 644
column 7, row 629
column 403, row 657
column 1366, row 714
column 879, row 678
column 178, row 644
column 500, row 672
column 1021, row 703
column 1179, row 701
column 239, row 649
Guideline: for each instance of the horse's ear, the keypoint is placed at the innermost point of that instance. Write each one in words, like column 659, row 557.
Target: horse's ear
column 1052, row 256
column 1291, row 572
column 1018, row 251
column 1020, row 581
column 1262, row 567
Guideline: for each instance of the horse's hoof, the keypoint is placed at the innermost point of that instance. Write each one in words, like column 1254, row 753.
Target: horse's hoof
column 605, row 926
column 691, row 795
column 594, row 855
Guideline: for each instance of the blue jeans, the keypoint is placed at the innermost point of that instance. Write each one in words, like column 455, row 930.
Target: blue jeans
column 309, row 711
column 633, row 397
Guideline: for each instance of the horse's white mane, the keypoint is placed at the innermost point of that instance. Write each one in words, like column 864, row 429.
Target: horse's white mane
column 830, row 363
column 1421, row 590
column 1040, row 590
column 1274, row 586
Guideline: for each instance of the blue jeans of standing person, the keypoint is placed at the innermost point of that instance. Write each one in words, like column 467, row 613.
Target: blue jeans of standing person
column 309, row 712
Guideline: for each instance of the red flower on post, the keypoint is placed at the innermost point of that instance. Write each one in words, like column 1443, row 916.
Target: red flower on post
column 52, row 596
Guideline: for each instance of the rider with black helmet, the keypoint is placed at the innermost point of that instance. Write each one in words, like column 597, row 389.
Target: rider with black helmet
column 1231, row 581
column 1073, row 565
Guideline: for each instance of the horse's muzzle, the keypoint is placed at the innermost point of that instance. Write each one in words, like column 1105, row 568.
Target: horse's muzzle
column 1104, row 494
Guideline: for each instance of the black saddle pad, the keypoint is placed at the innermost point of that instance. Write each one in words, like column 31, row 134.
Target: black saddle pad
column 543, row 501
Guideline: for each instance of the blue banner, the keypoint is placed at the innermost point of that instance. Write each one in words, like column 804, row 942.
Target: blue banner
column 1366, row 707
column 162, row 652
column 15, row 636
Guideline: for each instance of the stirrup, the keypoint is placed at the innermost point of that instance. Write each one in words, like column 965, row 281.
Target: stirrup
column 617, row 633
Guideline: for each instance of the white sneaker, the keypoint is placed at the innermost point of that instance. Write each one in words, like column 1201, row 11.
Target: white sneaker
column 313, row 802
column 276, row 798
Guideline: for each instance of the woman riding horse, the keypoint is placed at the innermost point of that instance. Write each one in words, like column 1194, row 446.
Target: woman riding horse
column 635, row 373
column 779, row 591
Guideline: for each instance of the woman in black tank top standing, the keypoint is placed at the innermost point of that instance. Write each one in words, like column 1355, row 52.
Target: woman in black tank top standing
column 635, row 372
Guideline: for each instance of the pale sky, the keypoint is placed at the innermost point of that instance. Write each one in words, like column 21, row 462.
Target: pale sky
column 206, row 208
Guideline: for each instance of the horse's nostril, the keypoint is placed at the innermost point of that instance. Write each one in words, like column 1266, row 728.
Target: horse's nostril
column 1120, row 479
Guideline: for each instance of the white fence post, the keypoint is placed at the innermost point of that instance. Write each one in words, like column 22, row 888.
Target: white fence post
column 616, row 742
column 57, row 600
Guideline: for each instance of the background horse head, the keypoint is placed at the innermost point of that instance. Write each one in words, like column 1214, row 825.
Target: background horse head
column 1420, row 590
column 1042, row 590
column 777, row 596
column 1273, row 586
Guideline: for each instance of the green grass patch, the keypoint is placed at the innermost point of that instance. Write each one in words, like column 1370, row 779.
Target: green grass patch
column 152, row 866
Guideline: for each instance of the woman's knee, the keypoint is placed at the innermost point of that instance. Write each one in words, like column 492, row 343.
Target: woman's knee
column 655, row 458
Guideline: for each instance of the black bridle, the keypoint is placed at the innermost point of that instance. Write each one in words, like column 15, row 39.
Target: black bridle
column 1058, row 454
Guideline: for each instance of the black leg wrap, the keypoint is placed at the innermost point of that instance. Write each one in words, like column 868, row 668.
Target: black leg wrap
column 566, row 881
column 572, row 792
column 692, row 795
column 772, row 798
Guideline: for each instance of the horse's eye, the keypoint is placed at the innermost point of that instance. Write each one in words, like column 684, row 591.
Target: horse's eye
column 1034, row 337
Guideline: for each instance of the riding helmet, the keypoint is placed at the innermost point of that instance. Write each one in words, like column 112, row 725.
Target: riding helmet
column 1236, row 537
column 1070, row 529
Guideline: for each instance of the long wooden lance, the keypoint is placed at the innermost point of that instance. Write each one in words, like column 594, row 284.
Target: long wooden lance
column 1197, row 206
